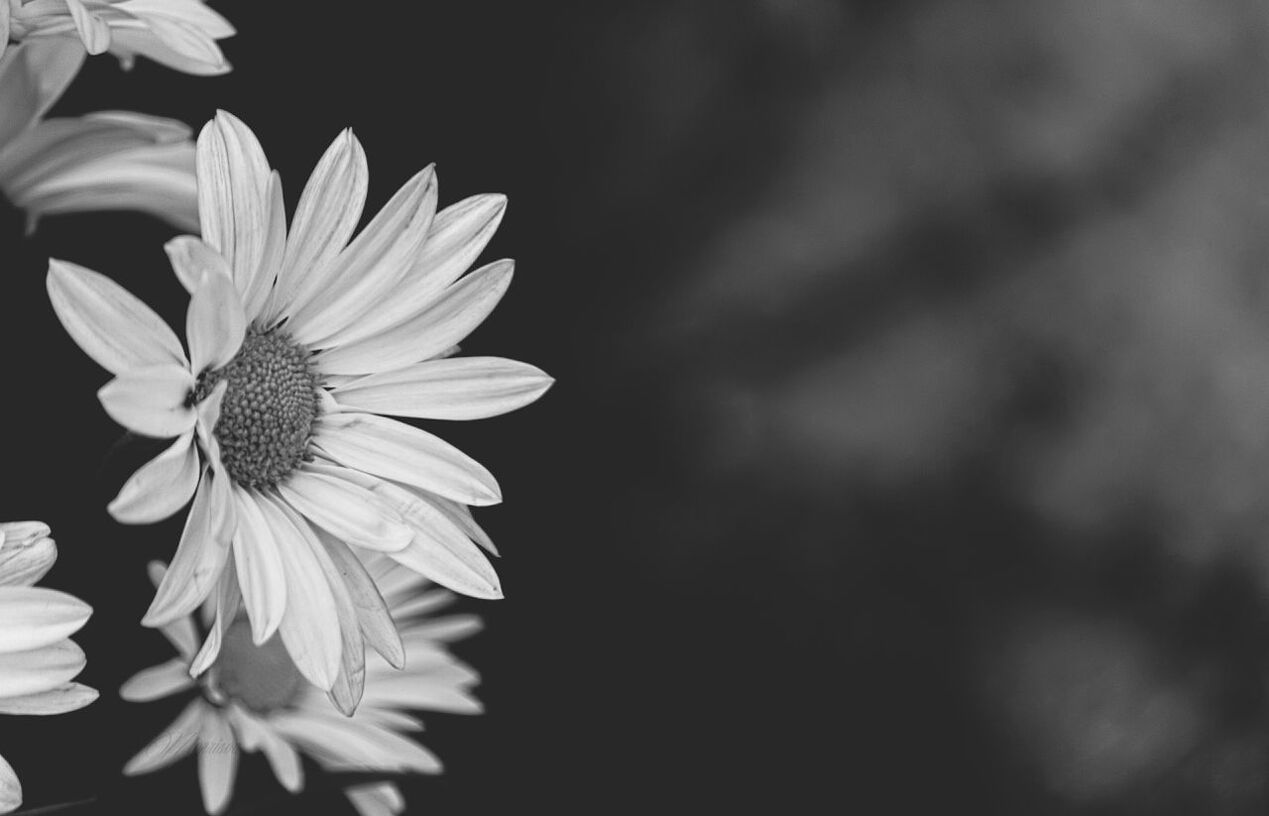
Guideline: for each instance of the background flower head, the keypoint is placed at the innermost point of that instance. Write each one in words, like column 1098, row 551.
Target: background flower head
column 253, row 698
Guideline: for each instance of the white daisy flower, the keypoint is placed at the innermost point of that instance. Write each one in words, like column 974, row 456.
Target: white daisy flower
column 180, row 34
column 252, row 697
column 298, row 342
column 102, row 161
column 37, row 659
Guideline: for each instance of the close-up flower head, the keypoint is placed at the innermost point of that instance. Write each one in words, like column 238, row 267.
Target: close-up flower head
column 253, row 699
column 109, row 160
column 300, row 340
column 180, row 34
column 38, row 661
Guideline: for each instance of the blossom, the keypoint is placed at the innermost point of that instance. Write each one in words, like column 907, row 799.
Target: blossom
column 37, row 658
column 299, row 342
column 252, row 697
column 101, row 161
column 180, row 34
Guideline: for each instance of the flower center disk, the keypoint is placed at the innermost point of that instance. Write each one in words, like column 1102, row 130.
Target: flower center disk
column 262, row 678
column 267, row 414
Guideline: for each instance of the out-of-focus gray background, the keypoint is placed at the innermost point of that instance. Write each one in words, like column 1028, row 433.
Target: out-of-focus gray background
column 910, row 447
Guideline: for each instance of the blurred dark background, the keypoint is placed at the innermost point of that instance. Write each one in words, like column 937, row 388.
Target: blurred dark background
column 910, row 444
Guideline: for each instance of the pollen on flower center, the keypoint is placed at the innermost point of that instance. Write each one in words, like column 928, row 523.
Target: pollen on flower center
column 267, row 414
column 262, row 678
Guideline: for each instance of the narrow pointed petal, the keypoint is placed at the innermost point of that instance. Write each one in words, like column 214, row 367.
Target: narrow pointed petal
column 114, row 328
column 176, row 741
column 35, row 617
column 228, row 598
column 458, row 235
column 160, row 487
column 157, row 682
column 372, row 613
column 393, row 450
column 39, row 670
column 180, row 632
column 345, row 510
column 200, row 555
column 68, row 697
column 454, row 315
column 217, row 763
column 215, row 323
column 233, row 195
column 461, row 515
column 261, row 571
column 368, row 271
column 325, row 218
column 310, row 626
column 348, row 744
column 457, row 388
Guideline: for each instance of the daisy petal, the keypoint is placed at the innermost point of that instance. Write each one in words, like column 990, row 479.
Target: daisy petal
column 345, row 510
column 233, row 195
column 192, row 259
column 261, row 571
column 310, row 627
column 39, row 670
column 215, row 323
column 228, row 599
column 151, row 401
column 372, row 613
column 261, row 289
column 180, row 632
column 457, row 388
column 200, row 555
column 160, row 487
column 454, row 315
column 325, row 218
column 35, row 617
column 174, row 743
column 157, row 681
column 393, row 450
column 114, row 328
column 378, row 799
column 217, row 763
column 68, row 697
column 458, row 235
column 349, row 744
column 22, row 564
column 282, row 757
column 370, row 268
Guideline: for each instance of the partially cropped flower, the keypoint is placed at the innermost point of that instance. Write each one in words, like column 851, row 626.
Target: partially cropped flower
column 252, row 696
column 37, row 659
column 180, row 34
column 102, row 161
column 298, row 342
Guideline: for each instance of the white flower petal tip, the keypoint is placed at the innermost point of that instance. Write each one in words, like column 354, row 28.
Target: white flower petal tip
column 35, row 617
column 60, row 700
column 151, row 401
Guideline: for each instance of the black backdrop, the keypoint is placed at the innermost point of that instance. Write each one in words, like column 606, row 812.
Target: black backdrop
column 643, row 656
